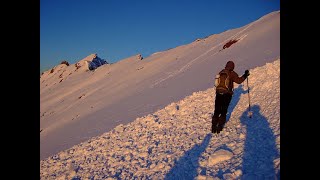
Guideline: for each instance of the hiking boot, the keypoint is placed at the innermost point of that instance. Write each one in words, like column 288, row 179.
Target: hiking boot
column 219, row 128
column 222, row 121
column 213, row 129
column 214, row 124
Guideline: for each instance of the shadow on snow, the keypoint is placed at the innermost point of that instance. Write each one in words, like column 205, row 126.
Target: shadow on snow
column 186, row 167
column 259, row 148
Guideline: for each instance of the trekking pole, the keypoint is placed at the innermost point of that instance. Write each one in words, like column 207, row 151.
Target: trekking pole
column 250, row 112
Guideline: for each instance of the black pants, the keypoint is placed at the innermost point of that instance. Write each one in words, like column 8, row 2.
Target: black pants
column 220, row 110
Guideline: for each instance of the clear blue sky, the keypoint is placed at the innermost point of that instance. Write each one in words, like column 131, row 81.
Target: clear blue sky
column 116, row 29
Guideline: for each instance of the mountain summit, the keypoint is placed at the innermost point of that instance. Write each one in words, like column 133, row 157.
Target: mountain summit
column 91, row 62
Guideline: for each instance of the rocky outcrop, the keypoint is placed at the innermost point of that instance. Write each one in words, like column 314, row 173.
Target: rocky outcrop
column 91, row 62
column 65, row 62
column 229, row 43
column 96, row 62
column 139, row 57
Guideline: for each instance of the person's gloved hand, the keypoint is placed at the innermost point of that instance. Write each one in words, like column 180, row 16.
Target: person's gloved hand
column 246, row 73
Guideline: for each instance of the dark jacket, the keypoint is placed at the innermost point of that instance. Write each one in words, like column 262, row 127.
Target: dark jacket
column 233, row 76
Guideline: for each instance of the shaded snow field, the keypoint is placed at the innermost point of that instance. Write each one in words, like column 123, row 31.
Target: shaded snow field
column 176, row 142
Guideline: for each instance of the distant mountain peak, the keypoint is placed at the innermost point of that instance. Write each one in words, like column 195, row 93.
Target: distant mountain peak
column 91, row 62
column 90, row 57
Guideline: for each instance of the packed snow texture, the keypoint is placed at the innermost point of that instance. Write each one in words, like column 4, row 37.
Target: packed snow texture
column 176, row 143
column 77, row 104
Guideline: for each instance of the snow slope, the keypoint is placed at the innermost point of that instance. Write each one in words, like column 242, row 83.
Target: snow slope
column 175, row 142
column 77, row 104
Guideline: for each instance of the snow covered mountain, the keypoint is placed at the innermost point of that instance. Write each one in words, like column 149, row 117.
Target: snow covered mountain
column 63, row 71
column 176, row 143
column 77, row 103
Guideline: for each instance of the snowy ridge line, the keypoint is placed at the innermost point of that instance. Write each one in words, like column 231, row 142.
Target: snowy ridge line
column 203, row 54
column 176, row 139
